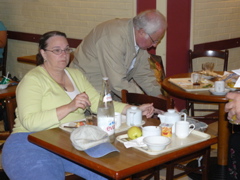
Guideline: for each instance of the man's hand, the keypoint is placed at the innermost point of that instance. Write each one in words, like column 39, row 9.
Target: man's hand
column 233, row 106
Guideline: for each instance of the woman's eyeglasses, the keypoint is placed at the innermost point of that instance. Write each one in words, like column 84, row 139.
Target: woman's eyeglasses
column 60, row 51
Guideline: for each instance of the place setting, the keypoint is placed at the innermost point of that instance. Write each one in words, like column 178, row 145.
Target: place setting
column 122, row 122
column 229, row 82
column 174, row 132
column 219, row 88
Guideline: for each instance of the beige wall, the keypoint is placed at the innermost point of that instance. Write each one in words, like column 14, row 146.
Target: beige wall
column 214, row 20
column 74, row 17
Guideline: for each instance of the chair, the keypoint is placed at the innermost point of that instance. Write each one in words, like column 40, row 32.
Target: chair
column 156, row 65
column 161, row 102
column 4, row 62
column 10, row 106
column 212, row 55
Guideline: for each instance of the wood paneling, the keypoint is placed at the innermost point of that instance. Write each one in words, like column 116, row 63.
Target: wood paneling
column 219, row 45
column 29, row 37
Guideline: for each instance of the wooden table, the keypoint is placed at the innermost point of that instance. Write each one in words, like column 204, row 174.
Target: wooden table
column 224, row 129
column 10, row 91
column 28, row 59
column 114, row 165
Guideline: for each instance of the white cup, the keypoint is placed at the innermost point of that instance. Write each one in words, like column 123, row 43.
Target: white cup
column 118, row 120
column 196, row 78
column 151, row 131
column 184, row 128
column 219, row 86
column 134, row 116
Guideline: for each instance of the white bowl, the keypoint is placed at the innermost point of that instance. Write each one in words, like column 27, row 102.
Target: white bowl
column 151, row 131
column 156, row 143
column 3, row 86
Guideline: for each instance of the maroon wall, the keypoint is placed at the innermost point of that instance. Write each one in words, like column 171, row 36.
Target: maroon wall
column 143, row 5
column 178, row 35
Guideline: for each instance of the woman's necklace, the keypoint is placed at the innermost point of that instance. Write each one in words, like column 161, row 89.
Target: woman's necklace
column 61, row 84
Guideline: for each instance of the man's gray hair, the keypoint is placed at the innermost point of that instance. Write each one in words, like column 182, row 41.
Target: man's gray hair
column 150, row 20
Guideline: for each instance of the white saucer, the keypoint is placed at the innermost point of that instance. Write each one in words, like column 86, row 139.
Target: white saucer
column 219, row 93
column 207, row 77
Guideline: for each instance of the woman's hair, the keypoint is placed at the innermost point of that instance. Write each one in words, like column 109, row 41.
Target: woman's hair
column 150, row 21
column 43, row 43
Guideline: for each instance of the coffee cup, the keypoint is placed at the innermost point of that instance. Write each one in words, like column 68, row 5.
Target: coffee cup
column 118, row 120
column 184, row 128
column 219, row 86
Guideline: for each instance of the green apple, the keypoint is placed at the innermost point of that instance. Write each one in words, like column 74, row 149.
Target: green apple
column 134, row 132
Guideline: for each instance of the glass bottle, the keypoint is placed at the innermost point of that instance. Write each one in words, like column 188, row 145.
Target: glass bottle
column 105, row 113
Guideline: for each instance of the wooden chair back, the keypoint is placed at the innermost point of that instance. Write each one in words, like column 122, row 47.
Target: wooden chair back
column 11, row 105
column 162, row 102
column 193, row 56
column 218, row 54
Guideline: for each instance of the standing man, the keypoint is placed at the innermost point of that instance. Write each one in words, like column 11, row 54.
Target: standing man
column 118, row 49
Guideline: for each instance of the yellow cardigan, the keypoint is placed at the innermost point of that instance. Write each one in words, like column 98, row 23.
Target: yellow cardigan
column 38, row 96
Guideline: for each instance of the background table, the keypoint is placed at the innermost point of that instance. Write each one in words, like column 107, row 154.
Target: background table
column 224, row 129
column 28, row 59
column 8, row 92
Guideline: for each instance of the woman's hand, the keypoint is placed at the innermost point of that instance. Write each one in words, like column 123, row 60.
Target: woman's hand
column 147, row 110
column 80, row 101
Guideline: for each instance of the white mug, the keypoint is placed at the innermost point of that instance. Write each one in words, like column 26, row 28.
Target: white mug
column 134, row 116
column 184, row 128
column 219, row 86
column 118, row 120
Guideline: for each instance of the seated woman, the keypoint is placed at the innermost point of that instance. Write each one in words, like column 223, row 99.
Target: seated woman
column 48, row 95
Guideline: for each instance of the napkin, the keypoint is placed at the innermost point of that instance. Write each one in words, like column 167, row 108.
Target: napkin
column 237, row 84
column 138, row 142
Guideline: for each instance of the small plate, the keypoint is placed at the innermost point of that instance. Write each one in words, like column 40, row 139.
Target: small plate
column 71, row 125
column 231, row 89
column 219, row 93
column 207, row 77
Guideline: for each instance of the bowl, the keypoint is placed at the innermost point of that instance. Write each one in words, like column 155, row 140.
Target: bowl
column 151, row 131
column 156, row 143
column 3, row 86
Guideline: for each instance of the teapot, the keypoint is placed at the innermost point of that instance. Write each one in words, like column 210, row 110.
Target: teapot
column 134, row 116
column 171, row 117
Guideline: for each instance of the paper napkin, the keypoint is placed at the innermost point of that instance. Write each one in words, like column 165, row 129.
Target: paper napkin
column 237, row 84
column 135, row 143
